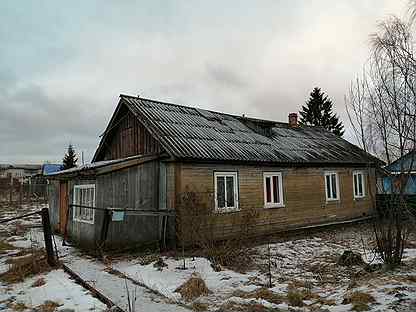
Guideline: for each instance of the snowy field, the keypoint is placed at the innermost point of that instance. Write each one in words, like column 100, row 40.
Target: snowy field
column 47, row 291
column 305, row 277
column 304, row 273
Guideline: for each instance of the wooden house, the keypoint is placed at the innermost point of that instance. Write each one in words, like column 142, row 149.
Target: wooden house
column 157, row 159
column 402, row 170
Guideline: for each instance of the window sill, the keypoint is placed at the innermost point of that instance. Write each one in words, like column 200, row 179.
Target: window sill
column 359, row 198
column 274, row 206
column 83, row 221
column 226, row 210
column 329, row 201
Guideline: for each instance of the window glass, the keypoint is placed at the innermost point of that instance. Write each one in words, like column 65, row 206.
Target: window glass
column 220, row 192
column 268, row 190
column 359, row 190
column 276, row 197
column 334, row 185
column 328, row 186
column 230, row 191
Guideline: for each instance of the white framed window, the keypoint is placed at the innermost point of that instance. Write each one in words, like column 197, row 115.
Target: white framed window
column 273, row 189
column 331, row 186
column 359, row 184
column 226, row 191
column 84, row 195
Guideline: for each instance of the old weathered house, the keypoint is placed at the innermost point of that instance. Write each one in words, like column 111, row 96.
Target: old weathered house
column 152, row 155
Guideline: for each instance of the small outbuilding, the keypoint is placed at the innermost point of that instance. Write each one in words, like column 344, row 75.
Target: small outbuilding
column 110, row 204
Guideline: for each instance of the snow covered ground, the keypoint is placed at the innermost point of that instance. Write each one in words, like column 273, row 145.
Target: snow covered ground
column 303, row 267
column 306, row 266
column 57, row 286
column 48, row 289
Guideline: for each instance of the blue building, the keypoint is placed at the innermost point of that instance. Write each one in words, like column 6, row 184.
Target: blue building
column 405, row 164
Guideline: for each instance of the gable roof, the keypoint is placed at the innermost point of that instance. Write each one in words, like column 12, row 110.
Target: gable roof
column 405, row 163
column 188, row 133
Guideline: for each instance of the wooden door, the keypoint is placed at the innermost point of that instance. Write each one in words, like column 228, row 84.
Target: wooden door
column 63, row 206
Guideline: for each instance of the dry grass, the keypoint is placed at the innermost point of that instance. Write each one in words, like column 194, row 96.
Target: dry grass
column 295, row 298
column 47, row 306
column 199, row 306
column 250, row 307
column 24, row 267
column 260, row 293
column 17, row 306
column 193, row 288
column 359, row 300
column 39, row 282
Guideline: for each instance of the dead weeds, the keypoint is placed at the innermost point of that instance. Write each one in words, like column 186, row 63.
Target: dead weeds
column 193, row 288
column 239, row 307
column 39, row 282
column 360, row 300
column 260, row 293
column 47, row 306
column 17, row 306
column 24, row 267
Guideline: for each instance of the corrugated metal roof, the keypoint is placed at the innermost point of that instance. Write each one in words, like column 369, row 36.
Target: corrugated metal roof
column 192, row 133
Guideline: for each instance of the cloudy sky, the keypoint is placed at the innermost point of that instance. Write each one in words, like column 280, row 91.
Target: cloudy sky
column 64, row 63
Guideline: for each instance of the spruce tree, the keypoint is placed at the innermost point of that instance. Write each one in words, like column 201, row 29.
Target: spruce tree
column 70, row 158
column 318, row 112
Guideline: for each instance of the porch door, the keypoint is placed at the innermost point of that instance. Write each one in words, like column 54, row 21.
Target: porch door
column 63, row 206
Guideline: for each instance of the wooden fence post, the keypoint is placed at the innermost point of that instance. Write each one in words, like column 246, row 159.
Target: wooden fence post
column 47, row 232
column 11, row 189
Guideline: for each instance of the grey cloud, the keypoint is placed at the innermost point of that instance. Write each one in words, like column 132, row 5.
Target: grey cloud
column 63, row 66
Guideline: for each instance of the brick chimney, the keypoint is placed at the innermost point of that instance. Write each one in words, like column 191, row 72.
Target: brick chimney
column 293, row 120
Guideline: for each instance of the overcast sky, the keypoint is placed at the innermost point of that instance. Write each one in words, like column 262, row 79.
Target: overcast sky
column 64, row 63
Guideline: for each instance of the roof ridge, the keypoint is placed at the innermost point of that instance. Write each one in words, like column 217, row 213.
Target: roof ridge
column 211, row 111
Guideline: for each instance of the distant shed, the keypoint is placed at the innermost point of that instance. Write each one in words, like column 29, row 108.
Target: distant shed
column 125, row 189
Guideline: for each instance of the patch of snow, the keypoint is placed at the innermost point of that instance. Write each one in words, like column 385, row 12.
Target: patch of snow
column 58, row 288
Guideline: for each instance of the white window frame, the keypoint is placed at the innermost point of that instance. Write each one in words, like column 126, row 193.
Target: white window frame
column 357, row 173
column 280, row 179
column 330, row 173
column 226, row 174
column 74, row 215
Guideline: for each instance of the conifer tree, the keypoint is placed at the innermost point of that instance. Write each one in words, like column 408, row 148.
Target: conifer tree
column 70, row 158
column 318, row 112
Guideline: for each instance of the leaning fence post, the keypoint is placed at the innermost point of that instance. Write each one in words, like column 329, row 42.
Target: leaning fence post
column 47, row 232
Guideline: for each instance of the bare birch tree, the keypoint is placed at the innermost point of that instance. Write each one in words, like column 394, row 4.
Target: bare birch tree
column 382, row 109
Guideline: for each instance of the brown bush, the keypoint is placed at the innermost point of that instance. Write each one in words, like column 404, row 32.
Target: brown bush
column 193, row 288
column 350, row 258
column 22, row 268
column 295, row 298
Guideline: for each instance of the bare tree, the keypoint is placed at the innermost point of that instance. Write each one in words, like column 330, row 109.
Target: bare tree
column 382, row 110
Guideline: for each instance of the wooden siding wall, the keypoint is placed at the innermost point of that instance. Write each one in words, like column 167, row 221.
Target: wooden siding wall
column 131, row 188
column 128, row 138
column 53, row 201
column 304, row 197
